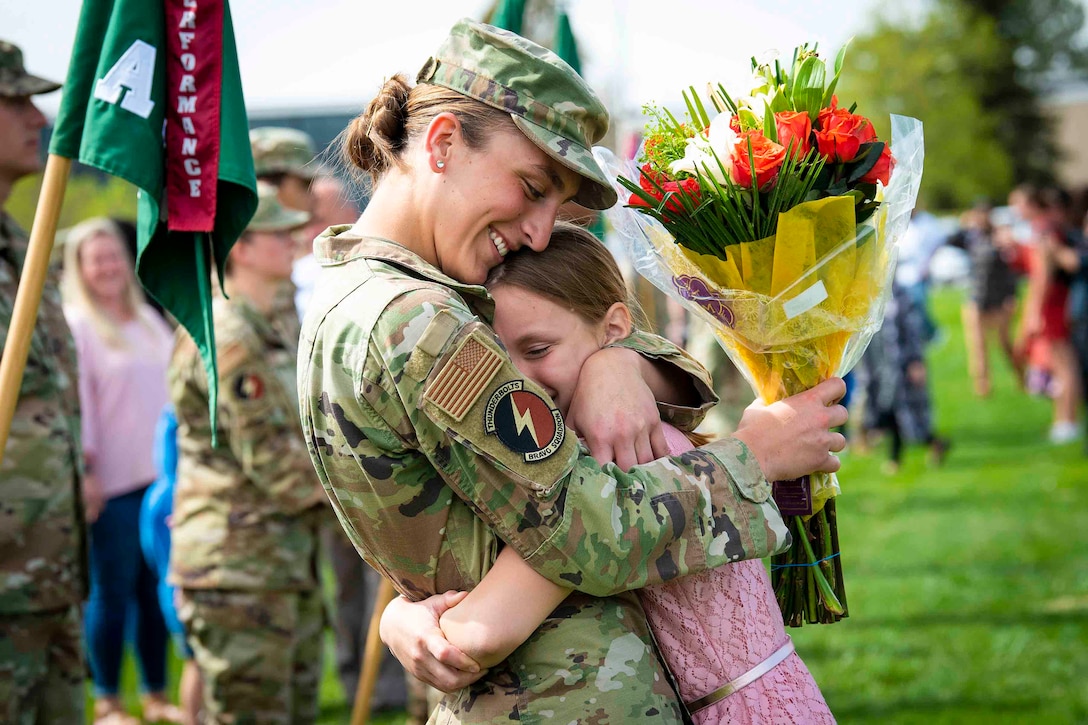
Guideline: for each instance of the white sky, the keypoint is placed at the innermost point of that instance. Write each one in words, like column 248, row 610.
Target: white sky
column 321, row 53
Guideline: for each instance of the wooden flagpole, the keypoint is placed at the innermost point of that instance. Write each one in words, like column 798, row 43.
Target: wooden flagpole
column 31, row 284
column 372, row 655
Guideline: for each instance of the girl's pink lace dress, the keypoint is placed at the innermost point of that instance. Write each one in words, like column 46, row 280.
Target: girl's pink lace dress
column 716, row 626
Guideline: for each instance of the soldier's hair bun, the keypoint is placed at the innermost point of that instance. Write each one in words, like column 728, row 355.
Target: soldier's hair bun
column 374, row 138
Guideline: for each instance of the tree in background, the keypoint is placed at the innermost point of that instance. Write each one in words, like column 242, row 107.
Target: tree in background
column 1041, row 46
column 974, row 72
column 927, row 71
column 87, row 194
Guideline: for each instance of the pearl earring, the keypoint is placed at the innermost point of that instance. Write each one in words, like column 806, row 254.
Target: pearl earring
column 440, row 164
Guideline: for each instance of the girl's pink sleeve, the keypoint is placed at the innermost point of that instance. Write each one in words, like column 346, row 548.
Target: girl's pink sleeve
column 678, row 442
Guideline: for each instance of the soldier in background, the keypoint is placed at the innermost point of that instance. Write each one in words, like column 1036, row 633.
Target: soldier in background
column 246, row 512
column 284, row 158
column 42, row 533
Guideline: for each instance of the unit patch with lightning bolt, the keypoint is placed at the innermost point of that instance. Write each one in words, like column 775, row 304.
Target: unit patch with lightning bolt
column 523, row 422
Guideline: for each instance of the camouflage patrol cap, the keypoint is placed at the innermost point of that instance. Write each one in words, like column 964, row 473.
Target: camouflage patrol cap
column 271, row 216
column 15, row 82
column 546, row 98
column 279, row 150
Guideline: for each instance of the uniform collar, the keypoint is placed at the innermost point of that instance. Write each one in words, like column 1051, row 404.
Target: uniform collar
column 339, row 245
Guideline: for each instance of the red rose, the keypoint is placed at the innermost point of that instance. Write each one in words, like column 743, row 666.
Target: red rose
column 794, row 127
column 689, row 185
column 767, row 158
column 648, row 178
column 882, row 169
column 840, row 134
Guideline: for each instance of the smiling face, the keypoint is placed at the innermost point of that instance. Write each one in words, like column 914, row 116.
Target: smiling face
column 104, row 265
column 546, row 342
column 493, row 200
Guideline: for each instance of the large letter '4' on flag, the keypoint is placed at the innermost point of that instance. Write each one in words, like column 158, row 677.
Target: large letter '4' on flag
column 154, row 96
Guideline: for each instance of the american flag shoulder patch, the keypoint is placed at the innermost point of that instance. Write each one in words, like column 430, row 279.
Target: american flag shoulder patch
column 464, row 378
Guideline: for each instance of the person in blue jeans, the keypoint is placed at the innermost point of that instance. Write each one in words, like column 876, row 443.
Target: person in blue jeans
column 155, row 513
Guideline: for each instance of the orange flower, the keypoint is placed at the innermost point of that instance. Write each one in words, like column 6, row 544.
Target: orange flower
column 767, row 158
column 794, row 127
column 840, row 134
column 882, row 169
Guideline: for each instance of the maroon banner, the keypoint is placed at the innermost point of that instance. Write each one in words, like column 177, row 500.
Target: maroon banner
column 194, row 72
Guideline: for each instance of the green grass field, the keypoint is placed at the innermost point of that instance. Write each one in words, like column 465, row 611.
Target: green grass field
column 967, row 584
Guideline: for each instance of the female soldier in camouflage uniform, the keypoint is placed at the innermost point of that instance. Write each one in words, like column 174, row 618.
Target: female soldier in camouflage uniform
column 436, row 451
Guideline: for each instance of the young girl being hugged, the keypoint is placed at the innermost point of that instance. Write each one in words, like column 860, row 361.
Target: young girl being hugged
column 720, row 631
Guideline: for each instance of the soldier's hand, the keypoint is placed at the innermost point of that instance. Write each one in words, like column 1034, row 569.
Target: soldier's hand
column 614, row 411
column 793, row 437
column 412, row 633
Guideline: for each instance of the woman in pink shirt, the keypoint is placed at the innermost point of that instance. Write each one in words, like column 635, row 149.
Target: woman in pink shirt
column 124, row 348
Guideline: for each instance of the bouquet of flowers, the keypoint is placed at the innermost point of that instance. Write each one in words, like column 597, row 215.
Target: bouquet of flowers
column 775, row 218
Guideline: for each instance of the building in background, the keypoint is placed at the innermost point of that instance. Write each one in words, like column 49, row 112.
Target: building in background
column 1068, row 106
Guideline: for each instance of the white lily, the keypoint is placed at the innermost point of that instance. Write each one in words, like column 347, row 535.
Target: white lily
column 701, row 149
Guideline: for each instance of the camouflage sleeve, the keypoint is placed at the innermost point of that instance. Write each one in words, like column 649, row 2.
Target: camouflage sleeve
column 659, row 349
column 497, row 439
column 263, row 431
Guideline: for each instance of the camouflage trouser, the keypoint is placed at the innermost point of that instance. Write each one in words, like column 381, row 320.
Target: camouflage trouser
column 41, row 668
column 259, row 653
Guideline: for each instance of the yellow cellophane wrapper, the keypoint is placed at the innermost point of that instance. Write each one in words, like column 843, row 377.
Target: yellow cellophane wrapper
column 792, row 302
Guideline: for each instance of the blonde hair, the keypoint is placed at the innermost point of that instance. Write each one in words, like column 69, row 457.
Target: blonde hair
column 74, row 288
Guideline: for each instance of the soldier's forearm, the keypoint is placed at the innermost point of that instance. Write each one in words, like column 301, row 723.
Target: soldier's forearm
column 666, row 519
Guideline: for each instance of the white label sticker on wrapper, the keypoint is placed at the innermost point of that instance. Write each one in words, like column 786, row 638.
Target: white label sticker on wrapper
column 805, row 301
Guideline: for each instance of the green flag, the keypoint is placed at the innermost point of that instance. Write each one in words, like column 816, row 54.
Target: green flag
column 508, row 15
column 154, row 96
column 566, row 47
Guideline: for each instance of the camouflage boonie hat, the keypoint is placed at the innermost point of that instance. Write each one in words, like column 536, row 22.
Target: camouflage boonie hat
column 546, row 98
column 15, row 82
column 279, row 150
column 271, row 215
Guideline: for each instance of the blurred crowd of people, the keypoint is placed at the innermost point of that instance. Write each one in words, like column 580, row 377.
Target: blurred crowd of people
column 1026, row 280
